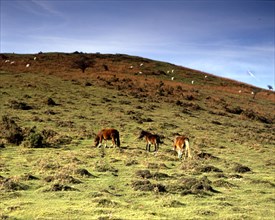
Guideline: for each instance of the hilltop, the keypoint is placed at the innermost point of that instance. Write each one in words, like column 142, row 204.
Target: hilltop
column 51, row 111
column 145, row 78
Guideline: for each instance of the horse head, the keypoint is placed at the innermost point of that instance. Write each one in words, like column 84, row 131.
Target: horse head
column 179, row 149
column 142, row 134
column 180, row 152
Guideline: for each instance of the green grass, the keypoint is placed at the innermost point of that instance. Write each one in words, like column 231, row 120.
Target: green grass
column 109, row 193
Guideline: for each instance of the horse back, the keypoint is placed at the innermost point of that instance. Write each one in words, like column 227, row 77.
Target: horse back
column 152, row 138
column 180, row 141
column 108, row 133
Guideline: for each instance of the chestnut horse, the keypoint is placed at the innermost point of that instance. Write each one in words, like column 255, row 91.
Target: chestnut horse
column 107, row 134
column 150, row 139
column 181, row 143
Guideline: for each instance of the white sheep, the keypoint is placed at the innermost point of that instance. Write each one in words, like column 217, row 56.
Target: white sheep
column 34, row 58
column 192, row 81
column 7, row 61
column 27, row 65
column 131, row 67
column 141, row 64
column 12, row 62
column 172, row 78
column 172, row 71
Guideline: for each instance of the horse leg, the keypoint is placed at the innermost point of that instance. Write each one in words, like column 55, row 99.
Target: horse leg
column 148, row 147
column 185, row 154
column 105, row 143
column 157, row 146
column 187, row 146
column 189, row 153
column 100, row 142
column 113, row 142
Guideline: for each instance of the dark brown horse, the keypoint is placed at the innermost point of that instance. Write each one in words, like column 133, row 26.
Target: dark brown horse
column 107, row 134
column 181, row 143
column 150, row 139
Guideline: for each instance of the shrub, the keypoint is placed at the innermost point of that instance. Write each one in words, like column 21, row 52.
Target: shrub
column 241, row 168
column 249, row 113
column 144, row 174
column 11, row 184
column 51, row 102
column 19, row 105
column 36, row 140
column 10, row 131
column 83, row 63
column 234, row 110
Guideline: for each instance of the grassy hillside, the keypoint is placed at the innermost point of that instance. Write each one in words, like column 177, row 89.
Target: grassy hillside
column 50, row 169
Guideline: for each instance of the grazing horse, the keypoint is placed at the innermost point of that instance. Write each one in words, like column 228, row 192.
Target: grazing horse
column 107, row 134
column 150, row 139
column 181, row 143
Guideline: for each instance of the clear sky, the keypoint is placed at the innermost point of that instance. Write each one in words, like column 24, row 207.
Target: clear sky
column 228, row 38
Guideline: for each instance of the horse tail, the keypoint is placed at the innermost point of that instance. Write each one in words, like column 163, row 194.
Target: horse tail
column 117, row 140
column 187, row 146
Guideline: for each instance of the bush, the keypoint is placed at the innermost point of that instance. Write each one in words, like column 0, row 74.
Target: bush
column 83, row 63
column 36, row 140
column 51, row 102
column 19, row 105
column 241, row 168
column 10, row 131
column 249, row 113
column 234, row 110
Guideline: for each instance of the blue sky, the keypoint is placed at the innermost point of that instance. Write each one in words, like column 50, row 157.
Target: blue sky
column 231, row 39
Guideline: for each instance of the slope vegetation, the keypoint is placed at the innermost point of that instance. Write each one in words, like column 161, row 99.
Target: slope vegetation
column 51, row 112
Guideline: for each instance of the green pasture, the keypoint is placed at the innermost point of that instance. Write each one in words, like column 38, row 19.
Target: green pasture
column 230, row 177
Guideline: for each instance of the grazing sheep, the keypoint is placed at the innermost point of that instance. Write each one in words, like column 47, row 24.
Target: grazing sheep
column 192, row 81
column 12, row 62
column 34, row 58
column 7, row 61
column 172, row 78
column 27, row 65
column 141, row 64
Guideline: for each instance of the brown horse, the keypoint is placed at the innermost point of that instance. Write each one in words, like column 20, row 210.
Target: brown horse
column 150, row 139
column 107, row 134
column 181, row 143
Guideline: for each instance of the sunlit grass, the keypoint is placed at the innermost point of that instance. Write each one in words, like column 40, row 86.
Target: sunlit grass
column 109, row 193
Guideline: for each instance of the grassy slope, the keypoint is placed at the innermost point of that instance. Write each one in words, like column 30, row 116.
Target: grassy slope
column 83, row 110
